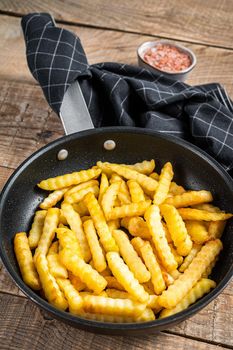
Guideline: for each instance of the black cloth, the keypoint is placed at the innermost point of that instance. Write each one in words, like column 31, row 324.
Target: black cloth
column 120, row 94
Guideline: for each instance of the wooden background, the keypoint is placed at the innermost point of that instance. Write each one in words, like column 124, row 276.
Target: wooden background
column 109, row 31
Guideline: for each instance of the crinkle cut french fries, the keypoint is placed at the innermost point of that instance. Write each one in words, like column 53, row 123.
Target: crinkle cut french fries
column 121, row 243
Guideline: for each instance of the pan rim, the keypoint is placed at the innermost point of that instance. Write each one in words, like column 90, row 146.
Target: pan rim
column 65, row 316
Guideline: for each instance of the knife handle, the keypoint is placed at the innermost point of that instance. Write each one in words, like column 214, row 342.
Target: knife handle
column 74, row 114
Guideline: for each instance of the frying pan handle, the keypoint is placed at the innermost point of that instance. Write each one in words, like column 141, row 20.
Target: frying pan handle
column 74, row 114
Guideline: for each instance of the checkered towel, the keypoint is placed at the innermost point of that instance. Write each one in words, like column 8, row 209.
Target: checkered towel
column 120, row 94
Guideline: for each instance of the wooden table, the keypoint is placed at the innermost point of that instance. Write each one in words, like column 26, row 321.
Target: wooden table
column 110, row 31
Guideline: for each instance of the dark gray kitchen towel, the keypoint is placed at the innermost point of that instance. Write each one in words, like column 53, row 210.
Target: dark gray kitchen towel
column 125, row 95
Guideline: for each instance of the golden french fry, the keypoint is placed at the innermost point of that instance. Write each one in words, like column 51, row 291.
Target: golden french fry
column 138, row 243
column 118, row 294
column 85, row 218
column 101, row 226
column 36, row 228
column 73, row 297
column 137, row 227
column 189, row 198
column 130, row 257
column 103, row 305
column 56, row 269
column 53, row 249
column 153, row 303
column 154, row 268
column 154, row 176
column 81, row 186
column 197, row 231
column 81, row 209
column 177, row 229
column 125, row 277
column 176, row 189
column 76, row 226
column 62, row 219
column 24, row 258
column 78, row 196
column 196, row 214
column 175, row 293
column 179, row 258
column 58, row 182
column 164, row 183
column 50, row 224
column 113, row 283
column 96, row 250
column 109, row 197
column 146, row 315
column 209, row 269
column 125, row 222
column 124, row 195
column 68, row 239
column 167, row 233
column 199, row 289
column 189, row 258
column 115, row 178
column 175, row 274
column 130, row 174
column 77, row 283
column 50, row 287
column 168, row 279
column 106, row 272
column 146, row 167
column 154, row 223
column 85, row 272
column 133, row 209
column 113, row 224
column 84, row 293
column 207, row 207
column 136, row 192
column 216, row 229
column 149, row 288
column 103, row 187
column 53, row 198
column 104, row 168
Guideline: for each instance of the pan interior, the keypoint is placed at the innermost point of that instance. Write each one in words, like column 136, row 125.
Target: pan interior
column 21, row 197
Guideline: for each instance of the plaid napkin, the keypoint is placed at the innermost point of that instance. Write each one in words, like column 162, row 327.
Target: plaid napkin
column 120, row 94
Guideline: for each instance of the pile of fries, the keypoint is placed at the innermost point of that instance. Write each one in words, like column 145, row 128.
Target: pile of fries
column 121, row 243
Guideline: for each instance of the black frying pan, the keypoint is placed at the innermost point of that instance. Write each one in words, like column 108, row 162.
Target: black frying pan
column 193, row 169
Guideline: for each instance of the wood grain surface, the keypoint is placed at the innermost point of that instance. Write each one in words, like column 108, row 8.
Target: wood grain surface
column 25, row 327
column 109, row 31
column 214, row 65
column 195, row 21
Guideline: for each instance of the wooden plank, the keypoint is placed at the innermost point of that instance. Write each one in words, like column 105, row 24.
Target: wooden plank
column 200, row 21
column 4, row 175
column 23, row 326
column 213, row 64
column 27, row 123
column 6, row 283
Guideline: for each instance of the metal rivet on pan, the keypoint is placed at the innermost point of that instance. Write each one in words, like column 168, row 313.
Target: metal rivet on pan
column 109, row 145
column 62, row 154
